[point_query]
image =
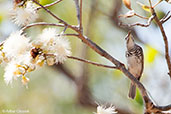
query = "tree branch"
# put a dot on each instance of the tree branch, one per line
(47, 24)
(165, 108)
(165, 39)
(93, 63)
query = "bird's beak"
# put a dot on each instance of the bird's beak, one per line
(128, 35)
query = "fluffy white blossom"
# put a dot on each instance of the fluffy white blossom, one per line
(19, 67)
(61, 49)
(51, 42)
(24, 56)
(24, 15)
(47, 36)
(104, 110)
(10, 70)
(16, 45)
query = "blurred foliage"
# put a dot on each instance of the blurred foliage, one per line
(1, 18)
(146, 8)
(44, 2)
(138, 98)
(150, 54)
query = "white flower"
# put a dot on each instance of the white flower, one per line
(48, 35)
(10, 70)
(19, 67)
(25, 58)
(51, 42)
(24, 15)
(61, 49)
(16, 45)
(104, 110)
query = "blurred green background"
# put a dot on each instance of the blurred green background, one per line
(74, 87)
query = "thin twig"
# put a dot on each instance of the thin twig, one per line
(47, 24)
(76, 35)
(42, 24)
(79, 13)
(48, 5)
(140, 16)
(139, 24)
(150, 4)
(93, 63)
(157, 3)
(165, 18)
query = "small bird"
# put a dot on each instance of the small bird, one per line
(135, 61)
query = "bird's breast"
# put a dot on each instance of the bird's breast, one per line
(134, 65)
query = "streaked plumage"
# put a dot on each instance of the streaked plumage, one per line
(135, 60)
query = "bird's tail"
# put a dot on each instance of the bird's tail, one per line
(132, 91)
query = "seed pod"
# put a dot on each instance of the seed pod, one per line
(34, 52)
(127, 3)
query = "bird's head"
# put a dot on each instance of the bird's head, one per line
(129, 41)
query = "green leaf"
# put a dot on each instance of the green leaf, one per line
(138, 98)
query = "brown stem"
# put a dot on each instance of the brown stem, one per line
(93, 63)
(42, 24)
(140, 24)
(140, 16)
(165, 108)
(165, 39)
